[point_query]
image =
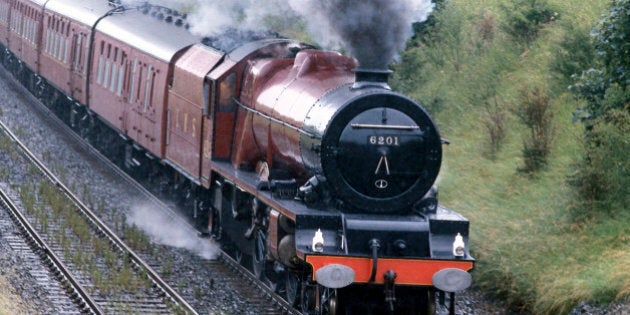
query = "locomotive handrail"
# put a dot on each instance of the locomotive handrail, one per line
(395, 127)
(275, 120)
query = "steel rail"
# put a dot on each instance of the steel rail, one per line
(284, 305)
(41, 246)
(103, 229)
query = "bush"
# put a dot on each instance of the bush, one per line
(611, 42)
(524, 19)
(494, 121)
(424, 31)
(575, 52)
(603, 176)
(534, 111)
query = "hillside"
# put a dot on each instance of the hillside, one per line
(475, 75)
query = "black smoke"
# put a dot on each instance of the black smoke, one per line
(372, 31)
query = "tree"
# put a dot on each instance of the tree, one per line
(603, 177)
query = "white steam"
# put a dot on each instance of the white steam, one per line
(165, 230)
(373, 31)
(214, 17)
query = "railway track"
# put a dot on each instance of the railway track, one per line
(256, 293)
(228, 273)
(99, 271)
(64, 290)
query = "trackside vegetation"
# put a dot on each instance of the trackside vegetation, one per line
(532, 95)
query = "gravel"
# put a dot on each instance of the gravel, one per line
(18, 288)
(80, 170)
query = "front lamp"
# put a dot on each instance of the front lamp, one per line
(459, 248)
(318, 242)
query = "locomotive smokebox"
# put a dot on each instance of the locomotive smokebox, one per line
(371, 78)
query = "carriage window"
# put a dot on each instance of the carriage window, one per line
(77, 52)
(114, 75)
(140, 72)
(66, 50)
(107, 72)
(85, 53)
(132, 90)
(112, 84)
(47, 49)
(148, 88)
(121, 74)
(99, 73)
(227, 92)
(4, 12)
(58, 44)
(33, 31)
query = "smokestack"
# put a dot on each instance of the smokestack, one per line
(371, 78)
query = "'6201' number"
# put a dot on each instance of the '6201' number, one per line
(384, 140)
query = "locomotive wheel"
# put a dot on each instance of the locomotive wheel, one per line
(308, 297)
(292, 287)
(40, 90)
(242, 259)
(258, 255)
(329, 303)
(262, 269)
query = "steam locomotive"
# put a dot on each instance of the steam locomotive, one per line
(310, 170)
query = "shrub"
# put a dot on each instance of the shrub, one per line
(424, 31)
(524, 19)
(574, 53)
(603, 176)
(534, 111)
(494, 121)
(486, 28)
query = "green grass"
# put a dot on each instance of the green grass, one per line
(530, 251)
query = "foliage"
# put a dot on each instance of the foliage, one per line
(613, 44)
(574, 53)
(424, 31)
(435, 45)
(524, 19)
(613, 68)
(602, 176)
(495, 123)
(534, 111)
(470, 68)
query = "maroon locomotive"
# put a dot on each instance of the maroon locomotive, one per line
(308, 169)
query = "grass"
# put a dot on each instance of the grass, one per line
(531, 252)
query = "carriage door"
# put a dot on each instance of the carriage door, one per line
(209, 88)
(78, 79)
(219, 119)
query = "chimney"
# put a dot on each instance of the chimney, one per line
(371, 78)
